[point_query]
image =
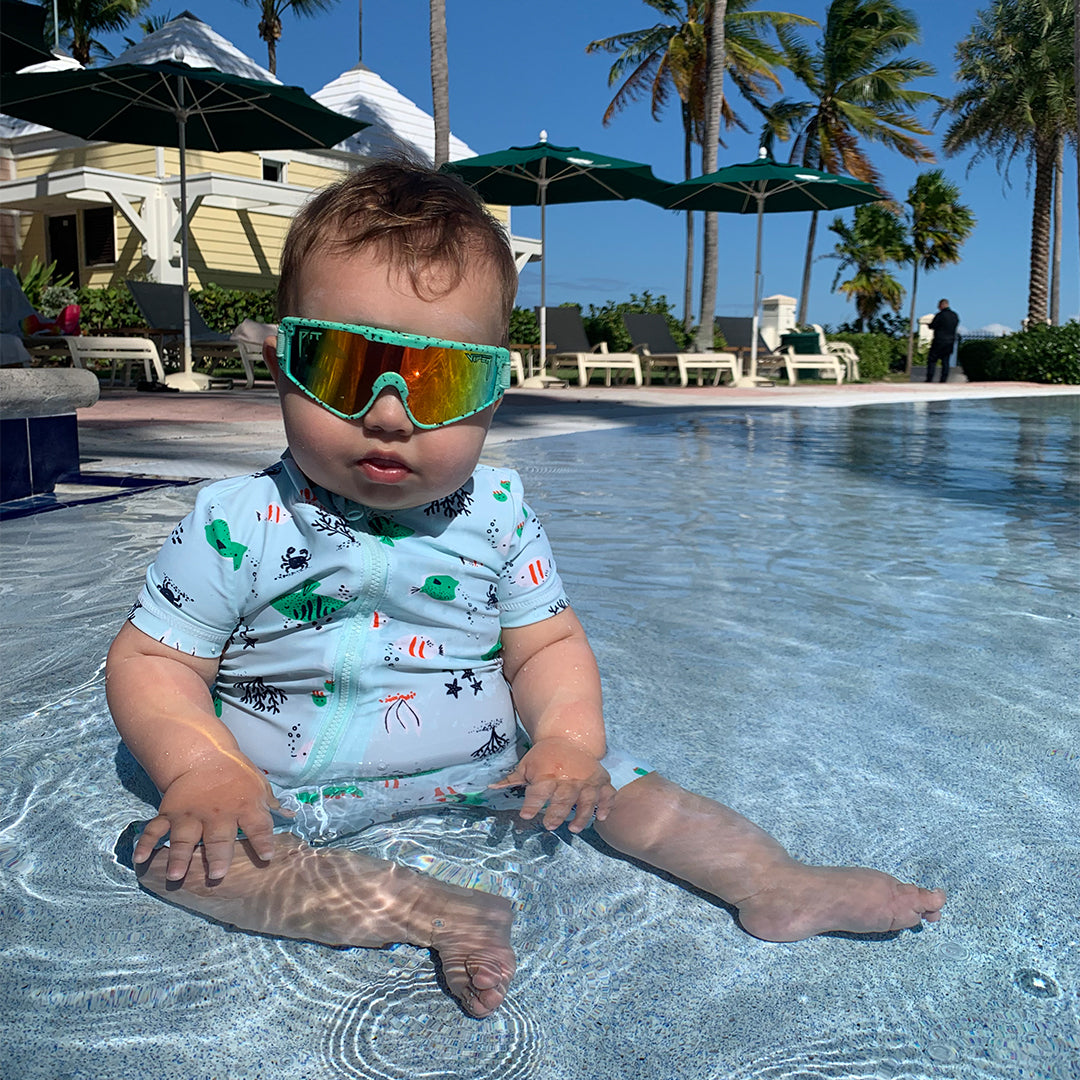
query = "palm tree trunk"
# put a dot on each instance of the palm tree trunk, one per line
(271, 56)
(360, 30)
(911, 319)
(804, 295)
(1040, 231)
(1055, 253)
(440, 82)
(713, 101)
(688, 169)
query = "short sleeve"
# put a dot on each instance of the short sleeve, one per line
(191, 598)
(530, 589)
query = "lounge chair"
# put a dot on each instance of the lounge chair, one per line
(826, 364)
(161, 308)
(567, 332)
(517, 366)
(848, 357)
(117, 351)
(652, 338)
(248, 338)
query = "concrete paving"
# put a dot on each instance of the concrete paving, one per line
(225, 432)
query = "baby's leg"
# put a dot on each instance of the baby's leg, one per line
(779, 899)
(341, 897)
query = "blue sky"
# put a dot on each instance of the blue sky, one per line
(517, 68)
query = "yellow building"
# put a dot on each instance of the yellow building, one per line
(105, 212)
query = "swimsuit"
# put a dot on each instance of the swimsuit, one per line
(359, 649)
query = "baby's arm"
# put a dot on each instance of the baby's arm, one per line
(552, 672)
(161, 705)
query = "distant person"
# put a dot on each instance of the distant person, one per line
(943, 326)
(332, 641)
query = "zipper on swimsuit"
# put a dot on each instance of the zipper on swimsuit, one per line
(374, 572)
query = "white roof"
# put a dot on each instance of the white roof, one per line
(188, 40)
(397, 124)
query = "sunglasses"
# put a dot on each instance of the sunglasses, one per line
(345, 367)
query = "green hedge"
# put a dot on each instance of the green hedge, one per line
(1043, 354)
(879, 354)
(114, 308)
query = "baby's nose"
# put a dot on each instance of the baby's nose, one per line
(387, 412)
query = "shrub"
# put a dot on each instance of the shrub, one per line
(1046, 354)
(878, 353)
(524, 327)
(225, 309)
(36, 277)
(54, 298)
(604, 323)
(107, 308)
(979, 358)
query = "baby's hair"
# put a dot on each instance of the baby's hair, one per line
(428, 224)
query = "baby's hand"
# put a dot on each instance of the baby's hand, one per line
(210, 804)
(560, 774)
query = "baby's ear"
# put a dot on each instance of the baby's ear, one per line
(269, 350)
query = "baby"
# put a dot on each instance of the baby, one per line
(375, 624)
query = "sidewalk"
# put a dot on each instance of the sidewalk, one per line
(222, 433)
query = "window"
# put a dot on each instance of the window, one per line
(274, 171)
(99, 239)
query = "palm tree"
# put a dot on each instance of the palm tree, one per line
(875, 239)
(670, 57)
(440, 81)
(859, 93)
(270, 12)
(83, 20)
(1019, 98)
(938, 224)
(714, 103)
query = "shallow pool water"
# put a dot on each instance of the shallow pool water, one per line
(858, 627)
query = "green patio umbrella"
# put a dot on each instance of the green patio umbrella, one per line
(22, 35)
(169, 103)
(763, 187)
(544, 173)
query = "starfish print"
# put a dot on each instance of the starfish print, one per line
(453, 688)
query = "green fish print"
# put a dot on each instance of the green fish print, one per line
(217, 536)
(388, 530)
(493, 651)
(306, 605)
(438, 587)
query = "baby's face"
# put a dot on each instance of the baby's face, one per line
(382, 460)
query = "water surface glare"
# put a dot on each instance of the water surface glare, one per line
(858, 627)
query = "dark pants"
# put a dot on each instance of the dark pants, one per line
(939, 351)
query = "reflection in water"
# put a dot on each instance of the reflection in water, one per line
(858, 627)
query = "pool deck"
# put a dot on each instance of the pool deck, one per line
(224, 432)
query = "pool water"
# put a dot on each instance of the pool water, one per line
(858, 627)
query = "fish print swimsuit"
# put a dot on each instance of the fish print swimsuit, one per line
(359, 649)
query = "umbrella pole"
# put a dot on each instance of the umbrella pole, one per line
(757, 290)
(543, 276)
(186, 379)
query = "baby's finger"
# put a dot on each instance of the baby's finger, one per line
(515, 778)
(259, 832)
(183, 839)
(152, 832)
(536, 795)
(564, 797)
(219, 855)
(180, 853)
(605, 802)
(587, 804)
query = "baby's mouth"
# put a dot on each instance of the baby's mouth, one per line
(383, 469)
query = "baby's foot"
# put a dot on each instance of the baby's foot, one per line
(470, 930)
(803, 901)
